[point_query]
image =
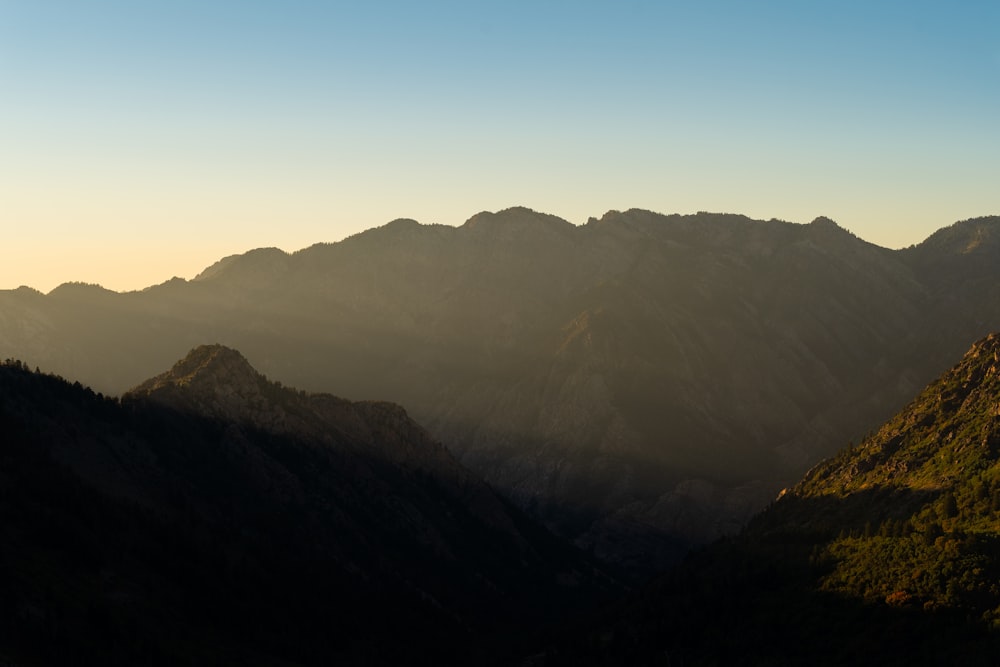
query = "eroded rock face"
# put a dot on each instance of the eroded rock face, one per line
(588, 372)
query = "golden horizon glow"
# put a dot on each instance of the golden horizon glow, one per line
(146, 140)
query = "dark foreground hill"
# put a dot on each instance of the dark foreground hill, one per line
(213, 517)
(640, 383)
(886, 554)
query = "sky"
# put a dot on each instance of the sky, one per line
(145, 139)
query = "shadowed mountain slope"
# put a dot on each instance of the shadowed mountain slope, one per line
(214, 516)
(640, 383)
(888, 554)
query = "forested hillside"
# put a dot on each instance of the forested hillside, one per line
(887, 554)
(212, 516)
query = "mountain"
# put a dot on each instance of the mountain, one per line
(211, 515)
(958, 264)
(640, 383)
(887, 553)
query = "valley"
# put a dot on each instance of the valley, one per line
(641, 384)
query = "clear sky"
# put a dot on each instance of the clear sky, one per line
(143, 139)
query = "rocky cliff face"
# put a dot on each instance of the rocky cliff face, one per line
(642, 380)
(948, 436)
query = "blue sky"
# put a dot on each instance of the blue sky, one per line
(145, 139)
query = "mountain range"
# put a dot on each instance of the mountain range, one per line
(641, 383)
(213, 516)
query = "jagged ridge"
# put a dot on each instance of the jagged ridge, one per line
(950, 432)
(642, 383)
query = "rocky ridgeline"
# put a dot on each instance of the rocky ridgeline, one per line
(886, 554)
(640, 383)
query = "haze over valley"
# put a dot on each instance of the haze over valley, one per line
(599, 400)
(640, 384)
(525, 334)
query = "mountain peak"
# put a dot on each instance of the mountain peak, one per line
(517, 218)
(212, 379)
(823, 221)
(260, 266)
(209, 360)
(402, 223)
(80, 290)
(966, 237)
(825, 228)
(989, 345)
(24, 291)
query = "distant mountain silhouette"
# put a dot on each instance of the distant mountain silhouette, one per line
(213, 516)
(641, 383)
(886, 554)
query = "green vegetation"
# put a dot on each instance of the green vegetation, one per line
(940, 548)
(888, 554)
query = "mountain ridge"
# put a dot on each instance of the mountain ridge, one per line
(972, 386)
(157, 528)
(522, 213)
(887, 553)
(647, 376)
